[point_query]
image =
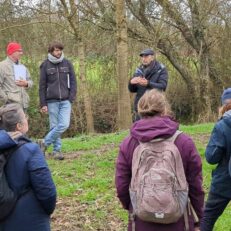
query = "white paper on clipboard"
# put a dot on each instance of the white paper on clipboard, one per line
(19, 72)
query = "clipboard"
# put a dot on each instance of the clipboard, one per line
(19, 72)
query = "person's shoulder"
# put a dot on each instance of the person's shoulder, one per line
(34, 156)
(186, 146)
(65, 60)
(184, 136)
(128, 144)
(3, 62)
(219, 125)
(126, 140)
(184, 140)
(25, 148)
(31, 149)
(25, 141)
(222, 125)
(160, 65)
(44, 63)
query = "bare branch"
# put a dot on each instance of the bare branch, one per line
(31, 23)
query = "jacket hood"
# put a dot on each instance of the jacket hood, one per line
(147, 129)
(10, 139)
(227, 118)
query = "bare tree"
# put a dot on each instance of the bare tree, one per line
(124, 110)
(192, 34)
(71, 14)
(172, 26)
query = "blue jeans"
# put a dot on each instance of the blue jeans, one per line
(59, 117)
(214, 207)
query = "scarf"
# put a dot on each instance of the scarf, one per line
(147, 70)
(55, 60)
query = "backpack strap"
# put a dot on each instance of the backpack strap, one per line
(186, 220)
(190, 211)
(171, 138)
(8, 153)
(132, 219)
(186, 217)
(174, 136)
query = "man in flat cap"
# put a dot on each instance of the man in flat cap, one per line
(150, 74)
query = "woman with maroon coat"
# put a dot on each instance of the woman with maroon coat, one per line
(157, 122)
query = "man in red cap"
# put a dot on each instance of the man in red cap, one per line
(14, 77)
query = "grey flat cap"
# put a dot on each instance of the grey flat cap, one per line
(147, 52)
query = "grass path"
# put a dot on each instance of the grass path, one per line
(85, 182)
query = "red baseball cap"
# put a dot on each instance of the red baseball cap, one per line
(13, 47)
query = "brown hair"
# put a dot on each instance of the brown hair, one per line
(153, 103)
(54, 45)
(224, 108)
(10, 115)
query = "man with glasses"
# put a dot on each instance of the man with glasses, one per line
(149, 75)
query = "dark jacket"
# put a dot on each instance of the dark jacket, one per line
(218, 151)
(157, 77)
(145, 130)
(57, 82)
(27, 171)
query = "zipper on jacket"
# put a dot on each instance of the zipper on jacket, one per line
(68, 81)
(60, 97)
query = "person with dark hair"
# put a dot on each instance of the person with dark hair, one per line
(55, 45)
(57, 91)
(151, 74)
(14, 77)
(27, 174)
(157, 123)
(218, 152)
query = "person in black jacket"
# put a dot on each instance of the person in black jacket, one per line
(57, 91)
(149, 75)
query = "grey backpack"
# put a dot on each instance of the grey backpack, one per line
(158, 189)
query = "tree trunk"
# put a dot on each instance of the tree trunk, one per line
(86, 96)
(205, 101)
(192, 86)
(195, 34)
(124, 106)
(71, 13)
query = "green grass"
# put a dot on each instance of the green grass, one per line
(205, 128)
(91, 142)
(85, 182)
